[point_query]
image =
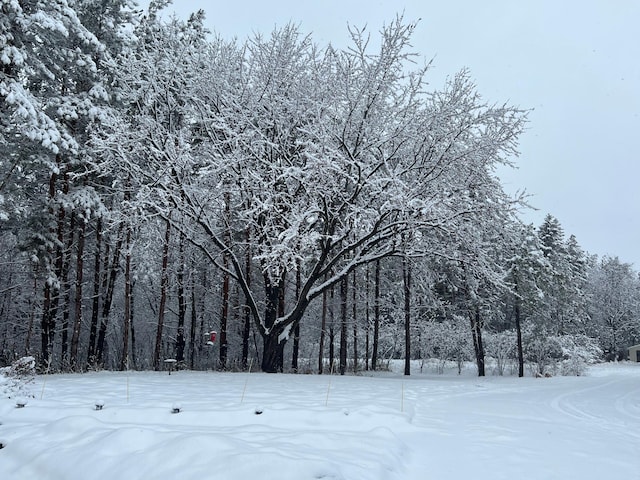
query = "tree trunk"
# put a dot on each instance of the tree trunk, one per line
(66, 288)
(376, 316)
(332, 334)
(51, 286)
(354, 312)
(332, 351)
(273, 346)
(32, 312)
(323, 326)
(406, 274)
(518, 331)
(95, 304)
(47, 326)
(75, 337)
(224, 316)
(164, 284)
(246, 330)
(106, 303)
(134, 360)
(478, 346)
(296, 329)
(194, 319)
(343, 326)
(367, 322)
(182, 303)
(124, 360)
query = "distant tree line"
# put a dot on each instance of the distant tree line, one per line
(321, 210)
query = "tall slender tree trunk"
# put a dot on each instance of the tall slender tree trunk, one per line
(518, 330)
(332, 333)
(32, 312)
(246, 330)
(95, 299)
(323, 327)
(478, 346)
(51, 286)
(406, 274)
(164, 285)
(66, 288)
(342, 366)
(134, 358)
(367, 322)
(224, 316)
(354, 312)
(124, 360)
(281, 307)
(75, 337)
(296, 329)
(108, 299)
(376, 316)
(194, 320)
(182, 302)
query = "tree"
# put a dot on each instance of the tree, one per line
(615, 302)
(528, 268)
(340, 154)
(564, 303)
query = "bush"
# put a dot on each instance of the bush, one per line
(15, 380)
(578, 352)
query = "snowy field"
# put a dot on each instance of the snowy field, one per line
(321, 427)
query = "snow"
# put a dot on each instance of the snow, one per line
(386, 426)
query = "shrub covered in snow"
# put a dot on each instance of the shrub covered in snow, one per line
(15, 380)
(501, 346)
(543, 350)
(447, 341)
(567, 354)
(578, 351)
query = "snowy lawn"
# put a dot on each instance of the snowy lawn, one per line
(313, 427)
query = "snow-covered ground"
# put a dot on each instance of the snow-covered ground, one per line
(324, 427)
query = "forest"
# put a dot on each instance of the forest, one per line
(271, 203)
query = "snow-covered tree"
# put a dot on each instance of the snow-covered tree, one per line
(614, 306)
(329, 158)
(564, 300)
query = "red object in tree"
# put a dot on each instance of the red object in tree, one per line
(212, 337)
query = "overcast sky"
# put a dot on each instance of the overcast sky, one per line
(575, 63)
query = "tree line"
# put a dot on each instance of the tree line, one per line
(321, 209)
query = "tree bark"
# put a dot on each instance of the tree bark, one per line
(75, 337)
(323, 326)
(296, 329)
(518, 330)
(406, 274)
(342, 366)
(478, 346)
(224, 316)
(376, 316)
(273, 346)
(134, 359)
(95, 304)
(124, 360)
(51, 286)
(107, 301)
(246, 330)
(367, 322)
(182, 302)
(66, 287)
(164, 284)
(354, 312)
(194, 320)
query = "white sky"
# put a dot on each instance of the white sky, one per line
(576, 63)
